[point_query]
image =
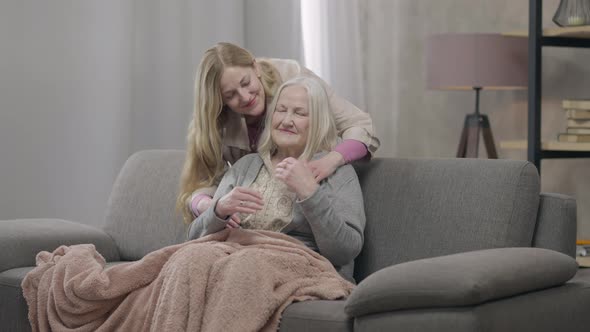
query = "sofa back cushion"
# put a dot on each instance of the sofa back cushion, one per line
(141, 214)
(419, 208)
(415, 208)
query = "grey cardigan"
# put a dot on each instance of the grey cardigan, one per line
(331, 221)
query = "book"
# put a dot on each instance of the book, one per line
(573, 113)
(574, 123)
(579, 104)
(576, 138)
(578, 131)
(583, 253)
(583, 261)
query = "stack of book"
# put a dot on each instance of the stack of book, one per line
(578, 121)
(583, 253)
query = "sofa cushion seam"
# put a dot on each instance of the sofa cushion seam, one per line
(515, 195)
(318, 319)
(9, 285)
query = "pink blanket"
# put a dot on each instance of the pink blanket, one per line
(234, 280)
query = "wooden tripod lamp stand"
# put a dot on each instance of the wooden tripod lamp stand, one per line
(474, 123)
(475, 62)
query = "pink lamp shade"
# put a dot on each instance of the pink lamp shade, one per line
(464, 61)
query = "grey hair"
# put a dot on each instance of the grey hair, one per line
(322, 133)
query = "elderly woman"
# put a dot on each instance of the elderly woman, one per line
(275, 189)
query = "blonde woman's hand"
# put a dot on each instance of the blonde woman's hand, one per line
(204, 204)
(326, 166)
(239, 200)
(297, 176)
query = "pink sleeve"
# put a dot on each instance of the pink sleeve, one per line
(351, 150)
(195, 202)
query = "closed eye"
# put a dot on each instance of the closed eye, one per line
(245, 81)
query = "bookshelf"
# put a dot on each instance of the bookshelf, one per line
(537, 39)
(574, 32)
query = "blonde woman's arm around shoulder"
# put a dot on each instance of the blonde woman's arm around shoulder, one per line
(354, 126)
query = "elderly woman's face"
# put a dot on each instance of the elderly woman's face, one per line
(242, 91)
(290, 120)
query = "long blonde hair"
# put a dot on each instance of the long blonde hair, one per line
(322, 133)
(204, 164)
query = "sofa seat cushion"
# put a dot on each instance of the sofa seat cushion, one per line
(14, 277)
(22, 239)
(460, 280)
(563, 308)
(318, 316)
(13, 316)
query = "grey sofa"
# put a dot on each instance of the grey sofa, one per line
(450, 245)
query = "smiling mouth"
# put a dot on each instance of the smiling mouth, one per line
(251, 103)
(287, 131)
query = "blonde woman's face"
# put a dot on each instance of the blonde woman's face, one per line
(290, 120)
(242, 91)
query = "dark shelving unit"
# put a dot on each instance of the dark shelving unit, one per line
(537, 41)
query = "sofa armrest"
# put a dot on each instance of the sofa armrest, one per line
(461, 279)
(556, 224)
(22, 239)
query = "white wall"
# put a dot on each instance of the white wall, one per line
(273, 28)
(84, 84)
(168, 42)
(64, 106)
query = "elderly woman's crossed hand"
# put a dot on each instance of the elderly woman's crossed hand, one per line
(298, 176)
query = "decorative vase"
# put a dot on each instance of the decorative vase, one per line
(572, 13)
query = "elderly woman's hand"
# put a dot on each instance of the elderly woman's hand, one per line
(238, 200)
(297, 176)
(326, 166)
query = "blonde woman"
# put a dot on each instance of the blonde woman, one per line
(275, 189)
(232, 91)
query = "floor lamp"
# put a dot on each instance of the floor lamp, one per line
(475, 62)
